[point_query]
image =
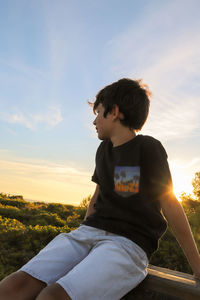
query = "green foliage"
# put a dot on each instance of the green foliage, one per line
(10, 225)
(82, 209)
(27, 227)
(169, 254)
(196, 185)
(63, 211)
(16, 203)
(44, 218)
(74, 220)
(19, 243)
(9, 211)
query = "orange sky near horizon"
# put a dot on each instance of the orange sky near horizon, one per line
(182, 180)
(51, 182)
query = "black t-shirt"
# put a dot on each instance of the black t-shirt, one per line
(131, 178)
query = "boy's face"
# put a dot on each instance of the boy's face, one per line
(103, 125)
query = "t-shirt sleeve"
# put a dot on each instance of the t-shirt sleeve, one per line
(98, 154)
(157, 175)
(95, 177)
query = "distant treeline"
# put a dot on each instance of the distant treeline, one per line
(26, 227)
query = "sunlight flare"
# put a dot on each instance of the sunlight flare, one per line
(181, 179)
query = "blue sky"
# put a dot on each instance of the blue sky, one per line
(56, 55)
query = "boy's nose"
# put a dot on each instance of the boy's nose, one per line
(94, 122)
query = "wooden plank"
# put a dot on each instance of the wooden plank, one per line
(165, 284)
(172, 283)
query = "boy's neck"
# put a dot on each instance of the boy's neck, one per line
(122, 137)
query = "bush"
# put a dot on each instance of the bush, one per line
(18, 243)
(10, 202)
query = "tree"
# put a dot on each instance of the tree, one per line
(196, 185)
(136, 178)
(85, 202)
(82, 208)
(123, 174)
(116, 175)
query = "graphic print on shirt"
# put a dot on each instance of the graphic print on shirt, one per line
(126, 180)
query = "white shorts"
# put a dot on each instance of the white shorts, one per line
(90, 263)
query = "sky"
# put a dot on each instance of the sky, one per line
(56, 55)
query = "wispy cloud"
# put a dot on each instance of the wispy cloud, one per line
(175, 118)
(44, 169)
(192, 163)
(58, 33)
(51, 117)
(166, 54)
(19, 66)
(44, 180)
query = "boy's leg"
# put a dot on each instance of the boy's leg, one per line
(111, 269)
(54, 291)
(20, 286)
(58, 257)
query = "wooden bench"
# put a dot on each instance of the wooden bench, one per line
(165, 284)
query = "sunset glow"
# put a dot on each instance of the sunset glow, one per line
(181, 179)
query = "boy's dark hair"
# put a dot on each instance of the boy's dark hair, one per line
(132, 98)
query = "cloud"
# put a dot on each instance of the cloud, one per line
(176, 105)
(192, 163)
(57, 36)
(21, 68)
(44, 180)
(174, 118)
(166, 54)
(38, 169)
(50, 118)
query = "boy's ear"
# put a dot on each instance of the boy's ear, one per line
(116, 113)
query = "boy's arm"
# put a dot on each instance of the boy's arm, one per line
(179, 224)
(91, 208)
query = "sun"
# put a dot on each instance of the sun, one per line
(181, 180)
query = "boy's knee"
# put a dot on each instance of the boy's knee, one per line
(21, 278)
(12, 280)
(53, 292)
(20, 282)
(10, 285)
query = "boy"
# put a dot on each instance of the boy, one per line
(108, 254)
